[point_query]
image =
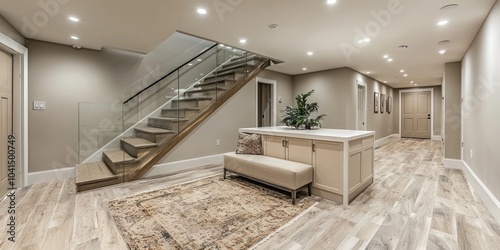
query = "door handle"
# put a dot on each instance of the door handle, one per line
(283, 143)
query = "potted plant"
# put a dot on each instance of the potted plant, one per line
(299, 117)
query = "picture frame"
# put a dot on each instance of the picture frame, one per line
(389, 104)
(376, 102)
(382, 103)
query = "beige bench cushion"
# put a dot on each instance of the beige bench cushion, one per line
(287, 174)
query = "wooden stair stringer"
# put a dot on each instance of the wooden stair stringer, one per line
(147, 164)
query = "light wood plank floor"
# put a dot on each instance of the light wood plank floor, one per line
(414, 203)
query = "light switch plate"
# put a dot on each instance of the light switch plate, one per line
(39, 105)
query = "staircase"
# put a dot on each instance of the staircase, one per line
(152, 141)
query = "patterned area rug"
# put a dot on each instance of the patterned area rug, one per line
(211, 213)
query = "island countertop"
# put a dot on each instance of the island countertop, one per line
(339, 135)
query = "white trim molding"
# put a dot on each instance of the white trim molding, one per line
(386, 140)
(183, 166)
(437, 138)
(274, 119)
(20, 105)
(484, 193)
(51, 175)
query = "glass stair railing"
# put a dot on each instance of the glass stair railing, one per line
(137, 133)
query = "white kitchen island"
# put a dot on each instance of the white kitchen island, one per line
(342, 159)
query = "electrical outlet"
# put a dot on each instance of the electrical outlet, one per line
(217, 142)
(471, 155)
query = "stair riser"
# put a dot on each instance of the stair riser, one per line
(220, 84)
(209, 93)
(136, 152)
(119, 168)
(156, 138)
(185, 104)
(170, 125)
(188, 114)
(223, 77)
(240, 63)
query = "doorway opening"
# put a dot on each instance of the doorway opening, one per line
(361, 106)
(266, 105)
(416, 120)
(5, 118)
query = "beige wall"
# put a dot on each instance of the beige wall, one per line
(436, 113)
(238, 112)
(481, 107)
(452, 96)
(336, 94)
(8, 30)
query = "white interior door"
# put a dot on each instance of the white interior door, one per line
(416, 115)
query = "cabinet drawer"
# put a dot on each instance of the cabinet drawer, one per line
(367, 141)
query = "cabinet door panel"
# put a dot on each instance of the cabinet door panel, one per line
(354, 169)
(367, 163)
(300, 150)
(328, 161)
(274, 147)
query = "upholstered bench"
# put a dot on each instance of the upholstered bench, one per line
(286, 175)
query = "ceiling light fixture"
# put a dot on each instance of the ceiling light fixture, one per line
(199, 60)
(273, 26)
(403, 46)
(386, 56)
(390, 60)
(405, 75)
(385, 81)
(310, 53)
(74, 19)
(190, 64)
(330, 2)
(74, 37)
(368, 72)
(442, 52)
(304, 69)
(412, 82)
(442, 22)
(243, 41)
(402, 71)
(201, 11)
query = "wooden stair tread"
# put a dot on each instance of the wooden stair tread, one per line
(169, 119)
(205, 90)
(93, 172)
(212, 82)
(182, 109)
(157, 131)
(193, 99)
(119, 156)
(139, 142)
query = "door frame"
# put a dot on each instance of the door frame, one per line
(273, 102)
(360, 83)
(414, 90)
(19, 105)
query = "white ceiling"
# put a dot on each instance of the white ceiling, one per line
(303, 26)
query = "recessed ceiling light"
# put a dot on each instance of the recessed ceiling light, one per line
(243, 41)
(403, 46)
(368, 72)
(304, 69)
(367, 40)
(386, 56)
(190, 64)
(405, 75)
(74, 19)
(310, 53)
(442, 22)
(402, 71)
(331, 1)
(199, 60)
(412, 82)
(390, 60)
(273, 26)
(201, 11)
(416, 84)
(74, 37)
(385, 81)
(442, 52)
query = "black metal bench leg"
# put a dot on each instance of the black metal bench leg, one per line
(309, 189)
(294, 196)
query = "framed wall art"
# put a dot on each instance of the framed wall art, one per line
(389, 104)
(375, 102)
(382, 103)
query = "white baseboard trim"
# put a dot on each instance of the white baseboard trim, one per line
(437, 138)
(50, 175)
(490, 201)
(452, 163)
(185, 165)
(386, 140)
